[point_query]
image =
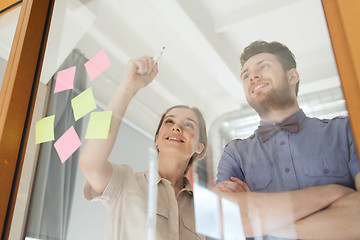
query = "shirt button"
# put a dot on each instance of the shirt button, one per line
(326, 171)
(287, 170)
(282, 143)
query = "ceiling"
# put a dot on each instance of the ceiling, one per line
(203, 40)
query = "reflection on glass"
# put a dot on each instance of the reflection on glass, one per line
(203, 40)
(207, 212)
(152, 194)
(231, 220)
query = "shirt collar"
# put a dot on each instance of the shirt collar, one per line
(299, 114)
(158, 178)
(188, 186)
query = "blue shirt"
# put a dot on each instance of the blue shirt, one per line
(322, 152)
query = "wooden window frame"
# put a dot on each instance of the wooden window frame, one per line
(17, 98)
(6, 5)
(18, 93)
(343, 23)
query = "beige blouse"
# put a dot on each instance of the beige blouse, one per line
(126, 200)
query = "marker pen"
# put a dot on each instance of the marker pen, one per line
(156, 58)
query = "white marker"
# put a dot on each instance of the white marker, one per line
(156, 58)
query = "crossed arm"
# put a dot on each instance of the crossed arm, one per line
(341, 220)
(320, 212)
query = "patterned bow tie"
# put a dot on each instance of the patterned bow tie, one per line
(267, 131)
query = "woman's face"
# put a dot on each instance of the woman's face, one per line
(179, 133)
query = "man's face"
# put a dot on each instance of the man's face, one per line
(266, 85)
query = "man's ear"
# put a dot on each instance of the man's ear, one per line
(199, 148)
(293, 76)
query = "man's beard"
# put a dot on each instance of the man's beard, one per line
(273, 100)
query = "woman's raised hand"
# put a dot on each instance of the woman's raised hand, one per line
(137, 76)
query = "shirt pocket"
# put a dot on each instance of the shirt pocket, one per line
(189, 232)
(258, 178)
(137, 202)
(326, 171)
(137, 213)
(162, 211)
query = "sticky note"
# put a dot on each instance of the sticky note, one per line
(97, 64)
(67, 144)
(83, 103)
(232, 223)
(207, 212)
(65, 79)
(99, 125)
(44, 130)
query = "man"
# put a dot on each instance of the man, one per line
(290, 151)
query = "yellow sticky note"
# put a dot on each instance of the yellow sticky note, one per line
(83, 103)
(99, 125)
(45, 129)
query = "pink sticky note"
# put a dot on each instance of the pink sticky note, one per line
(65, 79)
(67, 144)
(97, 64)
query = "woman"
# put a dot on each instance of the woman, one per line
(180, 139)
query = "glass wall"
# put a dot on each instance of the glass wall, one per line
(88, 81)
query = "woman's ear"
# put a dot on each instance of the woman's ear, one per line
(199, 148)
(156, 139)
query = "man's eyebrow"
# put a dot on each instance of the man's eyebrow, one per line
(242, 73)
(257, 64)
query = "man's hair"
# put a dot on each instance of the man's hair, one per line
(281, 52)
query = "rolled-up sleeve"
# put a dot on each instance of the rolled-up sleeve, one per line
(229, 165)
(113, 188)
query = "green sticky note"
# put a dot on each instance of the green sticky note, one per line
(83, 103)
(99, 125)
(45, 129)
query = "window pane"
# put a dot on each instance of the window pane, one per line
(87, 55)
(8, 22)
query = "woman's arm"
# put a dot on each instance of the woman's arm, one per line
(94, 157)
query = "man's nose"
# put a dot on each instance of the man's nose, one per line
(254, 76)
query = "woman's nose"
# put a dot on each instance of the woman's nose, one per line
(176, 128)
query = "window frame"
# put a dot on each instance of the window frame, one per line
(17, 98)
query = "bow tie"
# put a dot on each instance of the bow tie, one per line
(291, 124)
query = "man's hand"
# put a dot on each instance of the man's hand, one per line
(234, 185)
